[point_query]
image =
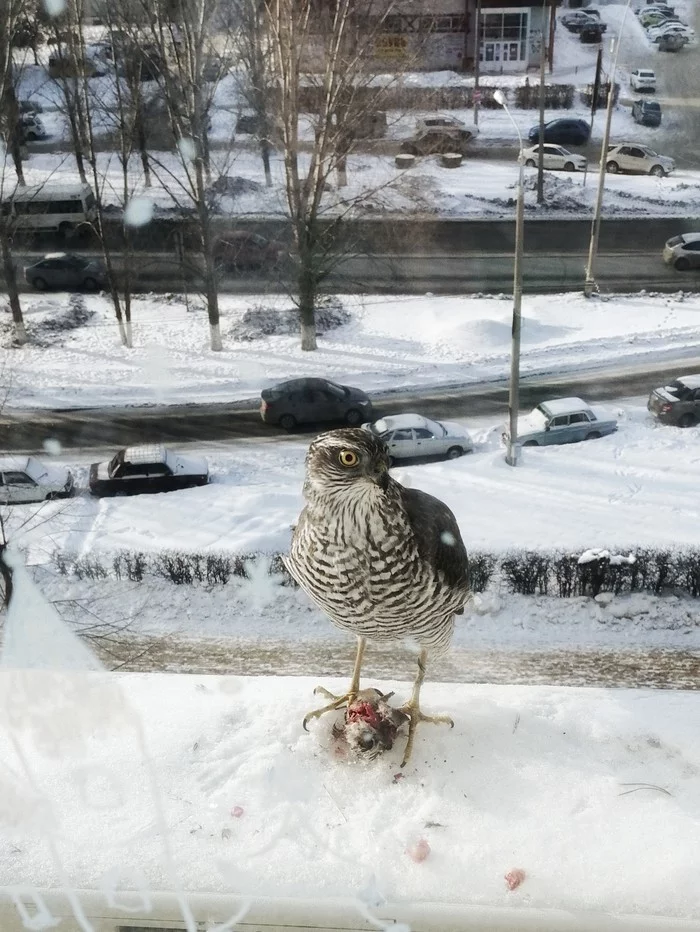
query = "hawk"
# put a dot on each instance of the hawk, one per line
(385, 562)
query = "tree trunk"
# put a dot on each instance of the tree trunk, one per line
(307, 305)
(143, 147)
(12, 292)
(210, 279)
(265, 152)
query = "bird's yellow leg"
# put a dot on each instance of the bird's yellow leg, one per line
(338, 701)
(413, 710)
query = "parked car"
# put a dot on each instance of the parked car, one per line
(643, 79)
(411, 435)
(677, 403)
(437, 121)
(31, 128)
(630, 157)
(555, 158)
(575, 21)
(592, 33)
(29, 106)
(652, 18)
(683, 251)
(657, 8)
(312, 401)
(25, 479)
(647, 112)
(243, 250)
(437, 139)
(66, 270)
(671, 29)
(147, 468)
(564, 131)
(671, 42)
(562, 420)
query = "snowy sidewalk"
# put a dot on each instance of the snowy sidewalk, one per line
(592, 793)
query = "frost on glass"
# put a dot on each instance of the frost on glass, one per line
(77, 781)
(75, 764)
(138, 212)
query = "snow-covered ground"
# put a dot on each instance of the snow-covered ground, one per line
(390, 343)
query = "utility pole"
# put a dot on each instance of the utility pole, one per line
(514, 385)
(477, 62)
(589, 286)
(540, 151)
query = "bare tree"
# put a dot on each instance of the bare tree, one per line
(324, 59)
(192, 56)
(248, 23)
(12, 15)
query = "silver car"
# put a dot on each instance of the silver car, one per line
(25, 479)
(561, 420)
(411, 435)
(683, 251)
(631, 157)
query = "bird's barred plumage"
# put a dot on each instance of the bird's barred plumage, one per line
(383, 561)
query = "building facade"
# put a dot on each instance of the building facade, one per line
(447, 34)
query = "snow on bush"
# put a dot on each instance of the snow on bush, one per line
(260, 321)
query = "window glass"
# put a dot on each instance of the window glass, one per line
(560, 421)
(580, 418)
(402, 435)
(18, 478)
(424, 434)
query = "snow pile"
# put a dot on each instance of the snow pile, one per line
(261, 321)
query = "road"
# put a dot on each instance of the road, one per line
(85, 428)
(418, 273)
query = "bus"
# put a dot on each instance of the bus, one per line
(51, 208)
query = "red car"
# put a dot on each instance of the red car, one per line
(242, 250)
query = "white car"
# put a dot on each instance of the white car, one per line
(437, 121)
(631, 157)
(25, 479)
(670, 29)
(411, 435)
(683, 251)
(643, 79)
(555, 158)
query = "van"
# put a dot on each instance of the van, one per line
(51, 208)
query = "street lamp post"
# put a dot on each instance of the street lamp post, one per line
(590, 286)
(514, 387)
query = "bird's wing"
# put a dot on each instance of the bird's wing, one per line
(437, 534)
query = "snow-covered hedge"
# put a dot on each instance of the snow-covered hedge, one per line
(525, 572)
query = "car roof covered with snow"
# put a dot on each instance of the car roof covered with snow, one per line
(690, 381)
(13, 463)
(564, 405)
(402, 422)
(146, 453)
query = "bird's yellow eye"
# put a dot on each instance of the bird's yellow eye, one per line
(348, 458)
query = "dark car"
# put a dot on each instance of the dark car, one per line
(564, 131)
(672, 43)
(646, 112)
(592, 33)
(677, 403)
(575, 22)
(66, 270)
(311, 401)
(242, 250)
(437, 140)
(147, 468)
